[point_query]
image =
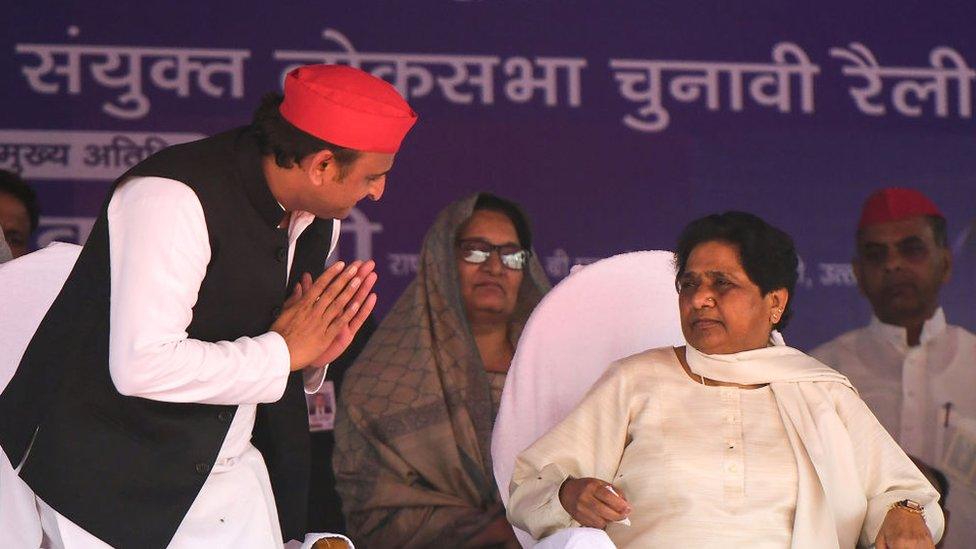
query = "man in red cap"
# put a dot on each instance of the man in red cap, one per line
(915, 371)
(161, 401)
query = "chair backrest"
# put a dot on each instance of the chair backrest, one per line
(611, 309)
(28, 286)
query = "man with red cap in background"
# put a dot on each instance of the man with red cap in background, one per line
(161, 400)
(915, 371)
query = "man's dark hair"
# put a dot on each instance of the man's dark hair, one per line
(511, 210)
(288, 144)
(767, 254)
(12, 184)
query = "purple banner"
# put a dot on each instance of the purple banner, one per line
(614, 127)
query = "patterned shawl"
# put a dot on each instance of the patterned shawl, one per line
(413, 427)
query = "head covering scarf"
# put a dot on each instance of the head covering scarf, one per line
(414, 422)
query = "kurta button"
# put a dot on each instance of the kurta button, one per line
(225, 416)
(202, 468)
(281, 254)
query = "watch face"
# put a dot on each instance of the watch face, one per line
(911, 505)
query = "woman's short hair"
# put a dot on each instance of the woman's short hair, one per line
(511, 210)
(288, 144)
(766, 253)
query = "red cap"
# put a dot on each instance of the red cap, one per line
(347, 107)
(895, 204)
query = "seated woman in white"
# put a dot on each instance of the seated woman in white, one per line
(731, 440)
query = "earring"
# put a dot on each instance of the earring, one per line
(776, 314)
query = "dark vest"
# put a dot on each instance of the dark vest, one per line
(127, 469)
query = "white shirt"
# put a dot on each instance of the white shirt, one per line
(158, 239)
(909, 388)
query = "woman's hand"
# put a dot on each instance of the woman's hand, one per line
(593, 502)
(903, 529)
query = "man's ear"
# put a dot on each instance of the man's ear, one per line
(320, 167)
(947, 262)
(778, 298)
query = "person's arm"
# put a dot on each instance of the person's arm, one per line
(159, 249)
(586, 446)
(888, 476)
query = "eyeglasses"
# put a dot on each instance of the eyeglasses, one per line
(477, 251)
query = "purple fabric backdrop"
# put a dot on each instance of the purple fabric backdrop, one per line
(614, 125)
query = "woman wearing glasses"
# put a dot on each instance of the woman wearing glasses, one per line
(412, 459)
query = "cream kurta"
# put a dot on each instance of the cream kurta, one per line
(910, 389)
(701, 466)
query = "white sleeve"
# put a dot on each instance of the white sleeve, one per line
(159, 252)
(589, 442)
(887, 473)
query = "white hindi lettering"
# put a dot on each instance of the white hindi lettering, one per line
(217, 72)
(460, 79)
(410, 73)
(914, 85)
(769, 84)
(786, 84)
(363, 230)
(70, 70)
(837, 274)
(522, 89)
(403, 264)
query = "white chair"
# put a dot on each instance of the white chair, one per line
(611, 309)
(28, 286)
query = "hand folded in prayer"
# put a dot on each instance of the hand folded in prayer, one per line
(319, 320)
(903, 529)
(593, 502)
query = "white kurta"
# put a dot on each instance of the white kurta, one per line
(909, 389)
(701, 466)
(159, 251)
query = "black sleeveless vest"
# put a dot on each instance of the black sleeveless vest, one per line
(127, 469)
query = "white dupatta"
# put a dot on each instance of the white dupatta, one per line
(830, 493)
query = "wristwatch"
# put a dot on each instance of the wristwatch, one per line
(910, 506)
